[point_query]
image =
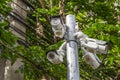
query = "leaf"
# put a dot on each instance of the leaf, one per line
(2, 24)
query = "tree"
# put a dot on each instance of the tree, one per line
(97, 18)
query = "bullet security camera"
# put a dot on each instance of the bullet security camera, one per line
(58, 26)
(98, 45)
(92, 44)
(55, 57)
(96, 41)
(91, 59)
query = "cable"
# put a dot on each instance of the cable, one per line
(17, 19)
(20, 6)
(22, 56)
(18, 30)
(26, 2)
(18, 14)
(23, 42)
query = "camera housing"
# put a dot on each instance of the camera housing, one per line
(58, 26)
(55, 57)
(97, 45)
(91, 59)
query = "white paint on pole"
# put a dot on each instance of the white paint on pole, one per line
(72, 49)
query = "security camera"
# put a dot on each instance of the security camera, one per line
(58, 26)
(96, 41)
(91, 59)
(56, 56)
(97, 45)
(92, 44)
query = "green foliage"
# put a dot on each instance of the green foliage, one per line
(4, 6)
(104, 31)
(36, 64)
(7, 39)
(97, 19)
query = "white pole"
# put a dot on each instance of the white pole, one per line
(72, 50)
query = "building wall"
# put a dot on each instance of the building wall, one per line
(2, 68)
(17, 28)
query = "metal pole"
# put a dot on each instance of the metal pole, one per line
(72, 50)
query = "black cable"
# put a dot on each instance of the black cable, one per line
(17, 19)
(20, 41)
(18, 14)
(23, 42)
(20, 6)
(22, 56)
(21, 21)
(72, 41)
(18, 31)
(28, 4)
(24, 35)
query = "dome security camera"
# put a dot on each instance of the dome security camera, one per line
(56, 56)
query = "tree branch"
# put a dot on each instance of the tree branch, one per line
(43, 7)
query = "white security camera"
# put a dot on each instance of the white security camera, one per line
(94, 44)
(96, 41)
(56, 57)
(91, 59)
(97, 45)
(58, 26)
